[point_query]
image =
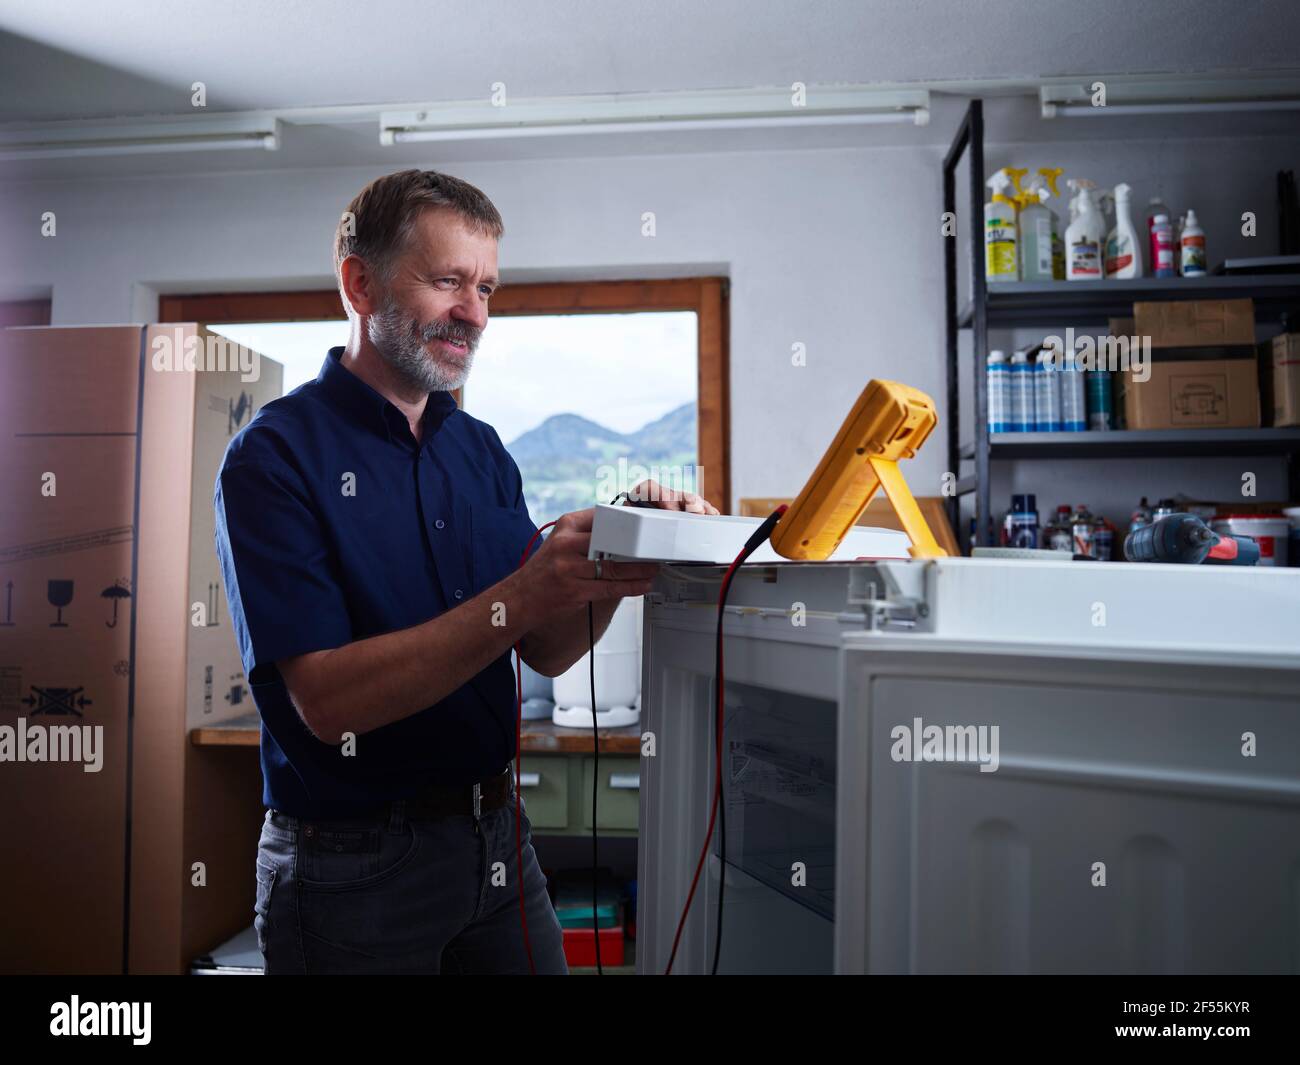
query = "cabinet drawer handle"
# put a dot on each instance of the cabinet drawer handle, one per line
(530, 780)
(625, 781)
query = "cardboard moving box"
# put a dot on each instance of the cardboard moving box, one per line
(113, 624)
(1196, 394)
(1281, 380)
(1196, 323)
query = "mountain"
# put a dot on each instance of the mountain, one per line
(561, 460)
(565, 439)
(667, 437)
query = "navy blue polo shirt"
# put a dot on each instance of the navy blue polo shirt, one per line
(332, 525)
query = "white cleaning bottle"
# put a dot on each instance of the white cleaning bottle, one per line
(1001, 262)
(1038, 236)
(1085, 238)
(1192, 247)
(1123, 252)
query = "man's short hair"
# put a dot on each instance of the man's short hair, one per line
(378, 222)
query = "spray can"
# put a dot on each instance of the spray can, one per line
(1164, 508)
(1141, 516)
(1059, 535)
(1074, 404)
(1021, 526)
(1101, 409)
(999, 388)
(1082, 529)
(1103, 539)
(1047, 393)
(1022, 394)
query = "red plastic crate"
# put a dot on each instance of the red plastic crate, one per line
(580, 947)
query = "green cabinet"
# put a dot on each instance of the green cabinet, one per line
(618, 792)
(544, 786)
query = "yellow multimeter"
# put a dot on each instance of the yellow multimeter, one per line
(890, 421)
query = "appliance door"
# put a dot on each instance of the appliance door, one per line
(1143, 815)
(780, 767)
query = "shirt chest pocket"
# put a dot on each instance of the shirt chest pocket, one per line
(499, 536)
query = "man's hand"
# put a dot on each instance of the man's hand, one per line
(561, 576)
(671, 499)
(558, 582)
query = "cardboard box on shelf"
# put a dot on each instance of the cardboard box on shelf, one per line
(1196, 323)
(114, 438)
(1280, 380)
(1198, 394)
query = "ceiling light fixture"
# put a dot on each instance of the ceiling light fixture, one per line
(653, 112)
(65, 140)
(1123, 97)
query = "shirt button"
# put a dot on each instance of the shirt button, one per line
(460, 594)
(439, 524)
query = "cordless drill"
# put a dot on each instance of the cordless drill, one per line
(1185, 538)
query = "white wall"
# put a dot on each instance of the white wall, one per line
(838, 249)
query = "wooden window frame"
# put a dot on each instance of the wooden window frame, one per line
(25, 312)
(706, 296)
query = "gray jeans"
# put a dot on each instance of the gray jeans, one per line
(396, 895)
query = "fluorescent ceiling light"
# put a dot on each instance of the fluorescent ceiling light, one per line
(1207, 97)
(653, 112)
(199, 134)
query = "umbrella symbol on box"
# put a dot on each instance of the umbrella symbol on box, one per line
(238, 412)
(115, 593)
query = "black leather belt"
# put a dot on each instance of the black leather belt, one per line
(438, 800)
(472, 799)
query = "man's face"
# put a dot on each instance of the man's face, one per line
(435, 307)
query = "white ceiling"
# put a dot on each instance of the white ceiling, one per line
(87, 58)
(84, 59)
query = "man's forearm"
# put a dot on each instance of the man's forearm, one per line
(552, 648)
(376, 681)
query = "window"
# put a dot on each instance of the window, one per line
(624, 368)
(589, 405)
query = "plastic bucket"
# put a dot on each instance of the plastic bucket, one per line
(1270, 531)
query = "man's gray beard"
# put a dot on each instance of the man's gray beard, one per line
(400, 340)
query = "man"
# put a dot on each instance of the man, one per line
(370, 535)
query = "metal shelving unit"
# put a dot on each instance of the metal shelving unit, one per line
(1056, 305)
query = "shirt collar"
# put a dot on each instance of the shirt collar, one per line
(356, 397)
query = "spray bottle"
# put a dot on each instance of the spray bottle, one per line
(1001, 261)
(1123, 252)
(1051, 174)
(1085, 238)
(1039, 240)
